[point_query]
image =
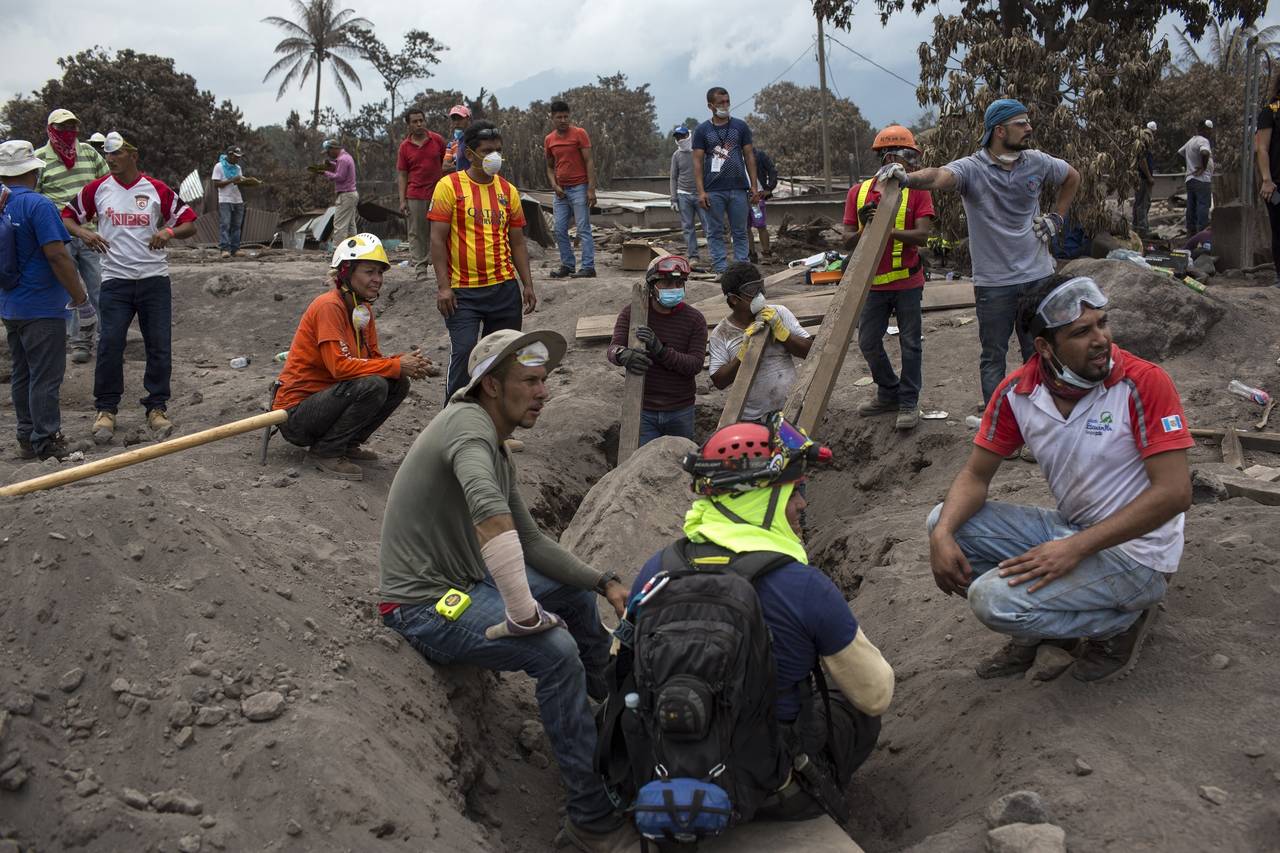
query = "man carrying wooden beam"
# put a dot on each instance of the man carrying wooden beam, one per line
(1108, 431)
(743, 288)
(898, 286)
(674, 342)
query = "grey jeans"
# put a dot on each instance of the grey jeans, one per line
(343, 415)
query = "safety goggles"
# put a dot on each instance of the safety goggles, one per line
(909, 154)
(1062, 306)
(748, 289)
(488, 133)
(672, 266)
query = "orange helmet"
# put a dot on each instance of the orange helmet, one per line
(894, 136)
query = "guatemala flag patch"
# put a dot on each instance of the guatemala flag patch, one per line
(1173, 423)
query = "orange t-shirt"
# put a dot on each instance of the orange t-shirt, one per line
(566, 152)
(324, 352)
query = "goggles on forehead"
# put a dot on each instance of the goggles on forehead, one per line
(535, 354)
(488, 133)
(672, 265)
(1062, 306)
(904, 153)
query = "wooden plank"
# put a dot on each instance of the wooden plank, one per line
(1254, 490)
(1232, 451)
(817, 374)
(633, 385)
(819, 835)
(1268, 441)
(810, 308)
(745, 378)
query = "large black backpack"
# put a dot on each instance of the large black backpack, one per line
(702, 743)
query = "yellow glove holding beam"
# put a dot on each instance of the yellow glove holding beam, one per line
(771, 317)
(755, 328)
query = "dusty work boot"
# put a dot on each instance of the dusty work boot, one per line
(55, 448)
(159, 423)
(80, 353)
(624, 839)
(876, 406)
(1115, 656)
(360, 453)
(1016, 658)
(562, 272)
(25, 450)
(1026, 454)
(226, 255)
(104, 427)
(907, 419)
(586, 272)
(337, 466)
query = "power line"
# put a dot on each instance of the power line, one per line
(802, 55)
(831, 78)
(873, 62)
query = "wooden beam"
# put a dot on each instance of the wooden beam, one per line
(1268, 441)
(817, 374)
(633, 385)
(154, 451)
(1255, 490)
(1232, 451)
(746, 377)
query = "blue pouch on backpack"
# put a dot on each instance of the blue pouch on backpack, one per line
(681, 810)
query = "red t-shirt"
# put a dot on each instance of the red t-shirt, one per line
(422, 163)
(919, 204)
(566, 153)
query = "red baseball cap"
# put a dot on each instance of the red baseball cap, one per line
(460, 110)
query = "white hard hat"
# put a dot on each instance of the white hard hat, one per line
(361, 247)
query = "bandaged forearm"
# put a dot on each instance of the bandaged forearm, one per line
(504, 558)
(863, 675)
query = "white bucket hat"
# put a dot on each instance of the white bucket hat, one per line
(17, 157)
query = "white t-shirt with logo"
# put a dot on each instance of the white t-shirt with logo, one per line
(127, 217)
(777, 373)
(1194, 150)
(230, 194)
(1093, 458)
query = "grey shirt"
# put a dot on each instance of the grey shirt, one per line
(456, 475)
(1000, 206)
(682, 173)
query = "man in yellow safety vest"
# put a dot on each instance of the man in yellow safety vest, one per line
(898, 285)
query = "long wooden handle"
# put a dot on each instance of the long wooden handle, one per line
(142, 454)
(747, 370)
(633, 384)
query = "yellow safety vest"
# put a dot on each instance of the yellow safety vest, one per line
(897, 272)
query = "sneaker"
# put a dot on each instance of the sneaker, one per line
(25, 450)
(226, 255)
(1116, 656)
(876, 406)
(104, 427)
(337, 466)
(55, 448)
(624, 839)
(562, 272)
(586, 272)
(360, 453)
(907, 419)
(80, 354)
(159, 423)
(1016, 658)
(1026, 454)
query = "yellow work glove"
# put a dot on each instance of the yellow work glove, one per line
(770, 317)
(755, 328)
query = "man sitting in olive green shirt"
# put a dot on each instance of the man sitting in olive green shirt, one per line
(455, 520)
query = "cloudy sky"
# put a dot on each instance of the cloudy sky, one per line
(529, 49)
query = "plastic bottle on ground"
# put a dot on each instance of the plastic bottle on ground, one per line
(240, 361)
(1257, 395)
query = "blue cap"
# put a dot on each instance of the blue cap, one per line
(998, 113)
(679, 130)
(329, 143)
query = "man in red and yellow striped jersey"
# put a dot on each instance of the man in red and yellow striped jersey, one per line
(477, 248)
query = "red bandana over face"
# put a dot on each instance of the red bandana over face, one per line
(64, 145)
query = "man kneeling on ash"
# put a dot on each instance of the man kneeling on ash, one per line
(1107, 428)
(336, 385)
(719, 710)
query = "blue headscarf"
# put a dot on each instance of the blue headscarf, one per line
(998, 113)
(230, 171)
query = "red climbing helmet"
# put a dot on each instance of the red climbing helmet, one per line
(750, 455)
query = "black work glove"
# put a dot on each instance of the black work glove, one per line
(866, 213)
(634, 360)
(652, 345)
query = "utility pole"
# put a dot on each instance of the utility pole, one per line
(822, 84)
(1247, 191)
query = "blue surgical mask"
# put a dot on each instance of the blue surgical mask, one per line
(671, 297)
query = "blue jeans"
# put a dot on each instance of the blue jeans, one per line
(1199, 197)
(230, 222)
(873, 323)
(478, 309)
(734, 204)
(89, 264)
(562, 663)
(997, 310)
(655, 424)
(691, 213)
(1099, 598)
(151, 299)
(574, 207)
(38, 353)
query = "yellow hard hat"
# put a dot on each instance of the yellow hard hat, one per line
(362, 247)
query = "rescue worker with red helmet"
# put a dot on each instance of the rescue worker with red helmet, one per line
(336, 385)
(898, 286)
(673, 345)
(746, 480)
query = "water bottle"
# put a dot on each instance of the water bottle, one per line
(239, 362)
(1257, 395)
(282, 356)
(632, 701)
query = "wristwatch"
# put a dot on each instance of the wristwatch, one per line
(606, 579)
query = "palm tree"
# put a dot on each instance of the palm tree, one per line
(1227, 45)
(320, 34)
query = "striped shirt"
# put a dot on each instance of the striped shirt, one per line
(480, 218)
(60, 184)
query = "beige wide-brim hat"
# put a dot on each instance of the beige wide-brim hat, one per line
(492, 349)
(17, 157)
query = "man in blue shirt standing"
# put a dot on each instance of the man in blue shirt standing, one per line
(34, 304)
(724, 169)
